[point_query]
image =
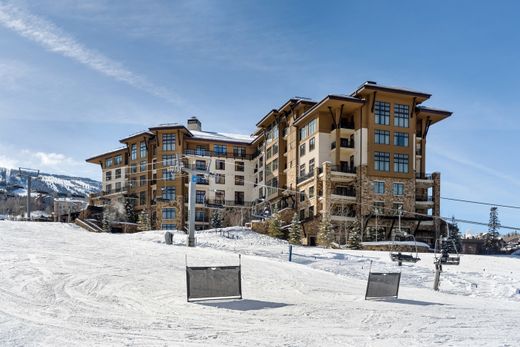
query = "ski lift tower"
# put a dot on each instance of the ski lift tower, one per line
(193, 174)
(30, 174)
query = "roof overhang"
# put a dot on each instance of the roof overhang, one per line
(349, 104)
(136, 135)
(97, 158)
(433, 114)
(370, 87)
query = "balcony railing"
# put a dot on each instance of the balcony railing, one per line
(423, 176)
(424, 198)
(207, 153)
(344, 169)
(344, 125)
(344, 143)
(345, 192)
(305, 177)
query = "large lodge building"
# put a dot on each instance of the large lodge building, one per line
(360, 159)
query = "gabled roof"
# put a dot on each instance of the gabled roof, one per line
(293, 101)
(329, 99)
(141, 133)
(224, 137)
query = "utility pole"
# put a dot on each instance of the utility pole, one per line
(29, 173)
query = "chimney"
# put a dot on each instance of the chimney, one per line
(194, 124)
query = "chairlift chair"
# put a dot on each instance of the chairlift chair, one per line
(441, 250)
(404, 258)
(398, 256)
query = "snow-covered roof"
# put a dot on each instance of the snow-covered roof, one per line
(215, 136)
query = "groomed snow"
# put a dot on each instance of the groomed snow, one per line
(62, 285)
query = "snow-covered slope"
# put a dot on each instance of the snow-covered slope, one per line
(49, 183)
(62, 285)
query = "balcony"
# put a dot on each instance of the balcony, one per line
(207, 153)
(346, 149)
(345, 130)
(423, 179)
(424, 201)
(304, 177)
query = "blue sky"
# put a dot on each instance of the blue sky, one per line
(77, 75)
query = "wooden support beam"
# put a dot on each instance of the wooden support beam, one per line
(373, 102)
(333, 117)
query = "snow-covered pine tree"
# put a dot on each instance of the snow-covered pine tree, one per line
(455, 237)
(107, 219)
(131, 215)
(326, 232)
(143, 221)
(354, 240)
(275, 225)
(295, 233)
(216, 220)
(491, 238)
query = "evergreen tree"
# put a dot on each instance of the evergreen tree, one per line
(216, 220)
(275, 227)
(354, 240)
(131, 215)
(455, 237)
(326, 232)
(143, 221)
(295, 234)
(491, 244)
(107, 219)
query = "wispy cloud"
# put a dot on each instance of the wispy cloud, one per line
(49, 162)
(54, 39)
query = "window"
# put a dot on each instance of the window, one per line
(303, 133)
(302, 170)
(397, 207)
(312, 144)
(108, 175)
(260, 176)
(200, 196)
(401, 139)
(311, 165)
(168, 193)
(312, 127)
(108, 163)
(302, 215)
(268, 153)
(401, 115)
(382, 137)
(379, 207)
(142, 150)
(168, 213)
(168, 174)
(311, 192)
(118, 173)
(302, 149)
(275, 149)
(142, 198)
(220, 164)
(382, 161)
(239, 180)
(118, 186)
(143, 166)
(118, 159)
(220, 196)
(302, 195)
(168, 142)
(169, 160)
(168, 226)
(133, 151)
(401, 163)
(200, 216)
(142, 181)
(274, 165)
(133, 168)
(239, 198)
(239, 166)
(200, 165)
(260, 161)
(398, 189)
(108, 188)
(201, 150)
(382, 112)
(220, 179)
(379, 187)
(311, 211)
(239, 151)
(220, 149)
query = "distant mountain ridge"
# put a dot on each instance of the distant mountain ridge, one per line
(53, 184)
